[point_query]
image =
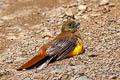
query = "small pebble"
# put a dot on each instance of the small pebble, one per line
(111, 5)
(111, 20)
(82, 7)
(92, 55)
(71, 64)
(113, 77)
(82, 78)
(46, 34)
(85, 47)
(69, 12)
(118, 30)
(104, 2)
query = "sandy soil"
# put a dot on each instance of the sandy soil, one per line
(19, 15)
(25, 25)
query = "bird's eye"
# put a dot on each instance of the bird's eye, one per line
(71, 25)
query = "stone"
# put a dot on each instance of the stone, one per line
(113, 77)
(118, 34)
(85, 46)
(1, 22)
(78, 0)
(69, 12)
(118, 30)
(61, 16)
(111, 5)
(92, 54)
(71, 64)
(72, 5)
(111, 20)
(5, 18)
(104, 2)
(9, 61)
(46, 34)
(82, 7)
(36, 26)
(82, 78)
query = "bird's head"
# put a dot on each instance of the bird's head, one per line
(70, 26)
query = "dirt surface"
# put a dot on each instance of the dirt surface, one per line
(16, 16)
(25, 25)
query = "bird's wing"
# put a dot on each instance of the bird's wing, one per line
(61, 47)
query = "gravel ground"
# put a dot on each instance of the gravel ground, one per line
(25, 26)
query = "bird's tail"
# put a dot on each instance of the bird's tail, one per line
(38, 59)
(45, 63)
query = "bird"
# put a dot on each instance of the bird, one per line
(66, 44)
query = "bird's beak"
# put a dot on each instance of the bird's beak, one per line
(76, 24)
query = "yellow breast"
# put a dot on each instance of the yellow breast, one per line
(78, 49)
